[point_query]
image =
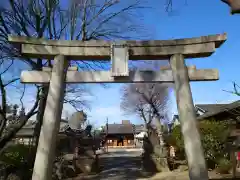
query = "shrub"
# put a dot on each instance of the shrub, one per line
(15, 159)
(15, 154)
(176, 140)
(224, 166)
(214, 137)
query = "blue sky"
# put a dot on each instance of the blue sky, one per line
(194, 19)
(197, 18)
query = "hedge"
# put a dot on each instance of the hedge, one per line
(214, 136)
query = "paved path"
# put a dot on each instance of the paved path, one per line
(119, 164)
(125, 164)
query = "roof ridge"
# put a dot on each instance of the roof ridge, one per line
(219, 103)
(214, 104)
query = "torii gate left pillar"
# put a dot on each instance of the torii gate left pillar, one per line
(175, 50)
(51, 120)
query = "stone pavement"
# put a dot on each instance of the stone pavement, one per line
(119, 164)
(125, 164)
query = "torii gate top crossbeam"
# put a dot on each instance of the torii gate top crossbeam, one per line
(202, 46)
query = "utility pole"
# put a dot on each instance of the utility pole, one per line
(107, 133)
(134, 133)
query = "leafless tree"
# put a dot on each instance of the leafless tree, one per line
(54, 19)
(233, 4)
(235, 90)
(149, 101)
(234, 112)
(8, 129)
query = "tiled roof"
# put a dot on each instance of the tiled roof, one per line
(210, 107)
(139, 128)
(223, 108)
(25, 132)
(119, 129)
(28, 129)
(123, 128)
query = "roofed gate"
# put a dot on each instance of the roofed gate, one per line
(119, 54)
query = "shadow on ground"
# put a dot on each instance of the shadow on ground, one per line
(224, 178)
(128, 165)
(118, 168)
(122, 164)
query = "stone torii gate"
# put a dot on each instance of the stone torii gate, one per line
(119, 54)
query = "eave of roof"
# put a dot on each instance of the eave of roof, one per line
(225, 108)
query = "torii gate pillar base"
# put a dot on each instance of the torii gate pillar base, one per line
(187, 114)
(51, 121)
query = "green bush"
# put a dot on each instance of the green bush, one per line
(214, 140)
(176, 139)
(17, 160)
(214, 137)
(224, 166)
(15, 155)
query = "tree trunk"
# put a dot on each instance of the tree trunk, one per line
(42, 105)
(163, 151)
(41, 109)
(11, 134)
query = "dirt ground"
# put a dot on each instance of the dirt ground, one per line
(170, 176)
(184, 176)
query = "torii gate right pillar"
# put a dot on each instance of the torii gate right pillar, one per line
(187, 115)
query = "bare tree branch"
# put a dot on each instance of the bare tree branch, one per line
(235, 90)
(146, 100)
(234, 5)
(55, 19)
(3, 119)
(14, 128)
